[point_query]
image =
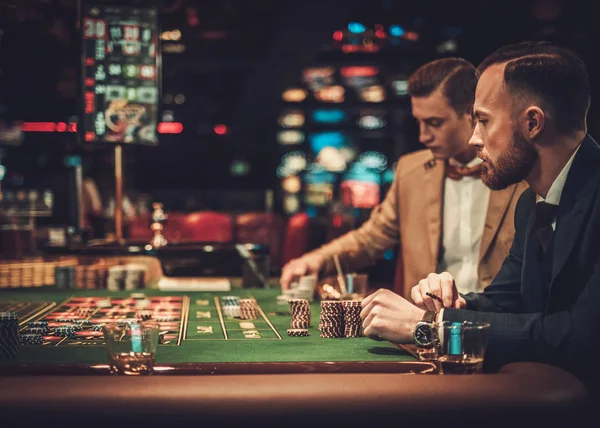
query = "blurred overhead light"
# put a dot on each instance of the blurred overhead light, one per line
(294, 95)
(370, 121)
(338, 36)
(292, 120)
(396, 30)
(356, 27)
(400, 87)
(179, 99)
(373, 94)
(291, 204)
(173, 35)
(331, 94)
(170, 128)
(449, 45)
(290, 137)
(362, 71)
(291, 184)
(220, 129)
(328, 116)
(239, 168)
(48, 127)
(412, 36)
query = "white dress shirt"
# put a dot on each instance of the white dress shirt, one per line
(555, 191)
(464, 212)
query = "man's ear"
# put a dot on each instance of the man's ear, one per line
(535, 122)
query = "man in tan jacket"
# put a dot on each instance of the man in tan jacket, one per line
(437, 209)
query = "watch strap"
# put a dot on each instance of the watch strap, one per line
(429, 317)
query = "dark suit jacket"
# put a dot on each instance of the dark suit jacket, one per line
(553, 318)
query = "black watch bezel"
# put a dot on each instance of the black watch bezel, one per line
(425, 328)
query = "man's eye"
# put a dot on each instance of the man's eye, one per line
(435, 123)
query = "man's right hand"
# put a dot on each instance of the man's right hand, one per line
(308, 264)
(441, 285)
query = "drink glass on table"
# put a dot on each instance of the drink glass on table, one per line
(461, 346)
(131, 347)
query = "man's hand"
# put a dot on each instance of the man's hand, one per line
(308, 264)
(389, 316)
(441, 285)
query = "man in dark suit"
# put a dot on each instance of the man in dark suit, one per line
(530, 107)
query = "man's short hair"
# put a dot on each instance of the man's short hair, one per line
(556, 75)
(455, 76)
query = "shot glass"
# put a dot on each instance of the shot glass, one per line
(461, 346)
(131, 347)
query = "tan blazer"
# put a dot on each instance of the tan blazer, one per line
(412, 215)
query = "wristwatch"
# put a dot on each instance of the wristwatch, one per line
(424, 334)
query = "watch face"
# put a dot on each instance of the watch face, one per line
(424, 335)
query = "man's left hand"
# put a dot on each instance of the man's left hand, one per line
(389, 316)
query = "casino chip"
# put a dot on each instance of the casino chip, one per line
(31, 339)
(352, 321)
(298, 332)
(248, 309)
(332, 319)
(300, 312)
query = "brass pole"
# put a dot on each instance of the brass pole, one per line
(119, 193)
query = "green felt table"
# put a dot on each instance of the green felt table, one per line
(270, 381)
(274, 351)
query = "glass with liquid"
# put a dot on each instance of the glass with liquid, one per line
(131, 347)
(461, 346)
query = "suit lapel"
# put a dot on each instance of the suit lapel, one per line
(576, 199)
(433, 189)
(498, 204)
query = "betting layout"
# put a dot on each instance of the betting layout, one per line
(228, 318)
(78, 321)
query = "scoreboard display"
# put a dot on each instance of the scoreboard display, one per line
(121, 74)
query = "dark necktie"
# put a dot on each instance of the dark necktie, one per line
(458, 172)
(544, 213)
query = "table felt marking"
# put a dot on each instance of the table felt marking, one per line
(185, 309)
(220, 313)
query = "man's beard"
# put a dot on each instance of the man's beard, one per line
(512, 166)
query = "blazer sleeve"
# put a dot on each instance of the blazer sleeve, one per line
(567, 338)
(365, 245)
(504, 293)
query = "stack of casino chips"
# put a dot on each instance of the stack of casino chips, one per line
(26, 274)
(49, 273)
(125, 277)
(231, 306)
(9, 335)
(4, 270)
(34, 333)
(300, 313)
(248, 309)
(332, 319)
(91, 277)
(352, 321)
(300, 317)
(67, 330)
(64, 276)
